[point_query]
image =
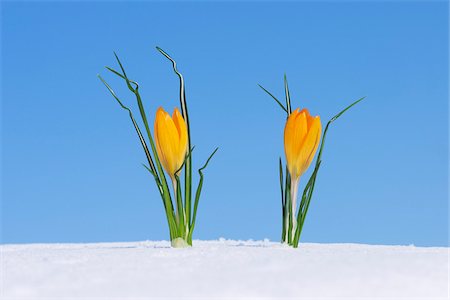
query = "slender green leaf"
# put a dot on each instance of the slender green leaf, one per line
(182, 89)
(207, 161)
(274, 98)
(288, 96)
(123, 77)
(155, 176)
(347, 108)
(148, 169)
(136, 127)
(198, 192)
(135, 91)
(185, 159)
(184, 110)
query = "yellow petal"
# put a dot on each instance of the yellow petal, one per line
(310, 145)
(295, 132)
(288, 140)
(180, 124)
(167, 141)
(300, 132)
(159, 116)
(309, 118)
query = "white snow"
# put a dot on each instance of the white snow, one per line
(222, 269)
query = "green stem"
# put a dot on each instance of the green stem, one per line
(294, 191)
(287, 206)
(283, 202)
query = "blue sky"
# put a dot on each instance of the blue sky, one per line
(71, 163)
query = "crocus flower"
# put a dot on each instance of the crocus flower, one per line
(171, 140)
(301, 140)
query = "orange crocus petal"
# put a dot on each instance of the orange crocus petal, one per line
(301, 139)
(180, 124)
(310, 145)
(288, 140)
(300, 132)
(309, 118)
(171, 140)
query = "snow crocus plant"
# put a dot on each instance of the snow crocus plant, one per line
(170, 151)
(302, 138)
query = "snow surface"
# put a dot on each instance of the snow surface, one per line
(222, 269)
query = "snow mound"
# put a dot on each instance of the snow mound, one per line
(222, 269)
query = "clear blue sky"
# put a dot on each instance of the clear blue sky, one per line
(71, 165)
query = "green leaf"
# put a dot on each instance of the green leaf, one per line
(123, 77)
(347, 108)
(185, 159)
(184, 111)
(288, 96)
(207, 161)
(198, 192)
(156, 178)
(136, 127)
(278, 101)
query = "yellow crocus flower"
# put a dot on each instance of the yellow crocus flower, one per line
(171, 138)
(301, 140)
